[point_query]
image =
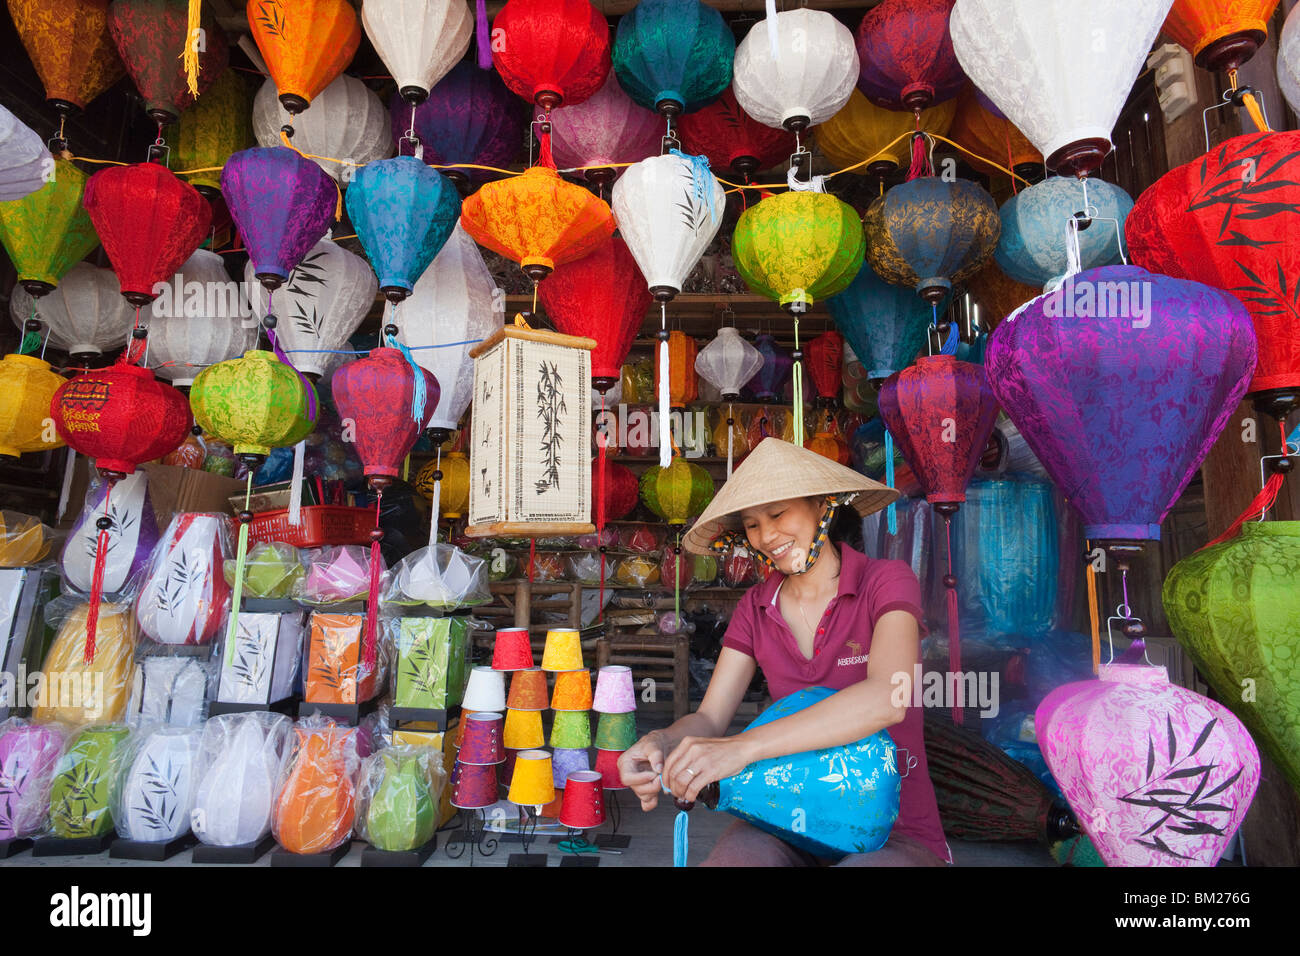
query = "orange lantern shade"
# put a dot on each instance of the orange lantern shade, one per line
(1220, 34)
(683, 382)
(992, 137)
(527, 690)
(997, 295)
(572, 691)
(71, 48)
(307, 44)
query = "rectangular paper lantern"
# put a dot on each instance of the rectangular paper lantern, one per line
(530, 458)
(333, 674)
(24, 592)
(169, 690)
(259, 665)
(431, 662)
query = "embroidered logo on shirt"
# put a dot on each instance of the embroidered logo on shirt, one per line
(857, 658)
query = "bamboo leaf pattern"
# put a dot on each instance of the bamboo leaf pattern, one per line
(550, 407)
(270, 14)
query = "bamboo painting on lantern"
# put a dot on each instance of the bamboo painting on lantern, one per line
(550, 409)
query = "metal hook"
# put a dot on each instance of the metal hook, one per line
(1122, 613)
(1290, 450)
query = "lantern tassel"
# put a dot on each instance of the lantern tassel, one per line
(797, 389)
(237, 592)
(484, 35)
(1093, 616)
(97, 583)
(730, 417)
(682, 823)
(920, 160)
(665, 432)
(1254, 511)
(190, 55)
(372, 606)
(295, 487)
(602, 441)
(891, 512)
(419, 390)
(437, 502)
(954, 627)
(544, 157)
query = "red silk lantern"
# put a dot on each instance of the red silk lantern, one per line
(551, 52)
(149, 222)
(602, 296)
(622, 490)
(388, 407)
(825, 361)
(729, 136)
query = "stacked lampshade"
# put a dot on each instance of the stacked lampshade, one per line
(584, 800)
(531, 784)
(512, 650)
(615, 701)
(474, 775)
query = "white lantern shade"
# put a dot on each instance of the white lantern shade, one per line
(454, 303)
(486, 690)
(85, 314)
(346, 121)
(168, 690)
(607, 128)
(668, 210)
(201, 319)
(183, 598)
(261, 660)
(728, 362)
(157, 793)
(25, 163)
(418, 40)
(809, 80)
(1288, 60)
(243, 756)
(1060, 70)
(326, 298)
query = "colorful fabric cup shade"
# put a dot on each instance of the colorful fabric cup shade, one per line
(528, 690)
(563, 651)
(486, 690)
(482, 742)
(571, 729)
(584, 801)
(524, 729)
(572, 691)
(566, 761)
(473, 786)
(512, 651)
(614, 693)
(607, 767)
(530, 785)
(616, 731)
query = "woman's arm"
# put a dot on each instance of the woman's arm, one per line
(855, 712)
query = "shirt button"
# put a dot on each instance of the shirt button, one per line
(821, 630)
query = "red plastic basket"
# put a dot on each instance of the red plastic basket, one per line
(321, 525)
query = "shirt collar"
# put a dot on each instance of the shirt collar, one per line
(851, 567)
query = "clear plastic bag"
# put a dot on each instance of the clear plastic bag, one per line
(159, 780)
(316, 807)
(584, 567)
(184, 597)
(272, 569)
(335, 575)
(399, 795)
(544, 567)
(637, 571)
(642, 538)
(335, 670)
(28, 755)
(607, 537)
(132, 536)
(242, 759)
(738, 568)
(83, 790)
(676, 568)
(170, 689)
(260, 663)
(72, 691)
(441, 576)
(24, 541)
(704, 570)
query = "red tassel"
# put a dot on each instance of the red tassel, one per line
(97, 584)
(372, 611)
(544, 157)
(1256, 509)
(920, 161)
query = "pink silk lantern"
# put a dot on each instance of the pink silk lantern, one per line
(1156, 774)
(607, 128)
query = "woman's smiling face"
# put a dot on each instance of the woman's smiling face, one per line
(784, 530)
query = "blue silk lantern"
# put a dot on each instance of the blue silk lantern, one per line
(404, 213)
(885, 324)
(282, 203)
(1036, 234)
(768, 383)
(673, 56)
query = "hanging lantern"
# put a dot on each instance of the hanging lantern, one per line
(48, 231)
(418, 40)
(469, 117)
(728, 362)
(825, 365)
(802, 80)
(1208, 222)
(884, 323)
(85, 315)
(306, 44)
(828, 442)
(452, 473)
(1288, 61)
(608, 128)
(1120, 746)
(27, 387)
(993, 137)
(862, 131)
(390, 401)
(149, 221)
(25, 163)
(1122, 408)
(771, 377)
(531, 421)
(254, 403)
(601, 296)
(997, 295)
(961, 233)
(348, 122)
(1220, 34)
(621, 491)
(683, 387)
(194, 323)
(218, 124)
(551, 52)
(729, 137)
(282, 204)
(148, 34)
(677, 493)
(673, 56)
(71, 48)
(906, 55)
(1232, 606)
(1036, 228)
(1064, 94)
(453, 307)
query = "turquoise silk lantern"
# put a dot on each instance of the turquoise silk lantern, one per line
(674, 56)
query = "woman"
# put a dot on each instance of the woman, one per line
(829, 617)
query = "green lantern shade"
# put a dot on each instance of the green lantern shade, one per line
(255, 403)
(401, 814)
(1235, 607)
(219, 123)
(571, 730)
(81, 794)
(616, 731)
(798, 247)
(674, 56)
(49, 231)
(677, 493)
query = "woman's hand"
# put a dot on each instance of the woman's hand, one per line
(640, 766)
(698, 761)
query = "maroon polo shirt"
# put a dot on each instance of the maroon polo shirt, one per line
(868, 588)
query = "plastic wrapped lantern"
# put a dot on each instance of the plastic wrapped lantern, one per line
(604, 131)
(677, 493)
(673, 56)
(862, 132)
(28, 755)
(25, 163)
(185, 339)
(132, 537)
(400, 798)
(183, 599)
(1220, 34)
(906, 55)
(551, 52)
(316, 807)
(158, 787)
(107, 672)
(348, 121)
(70, 46)
(243, 756)
(306, 44)
(217, 125)
(27, 387)
(727, 136)
(1036, 236)
(48, 231)
(85, 780)
(418, 40)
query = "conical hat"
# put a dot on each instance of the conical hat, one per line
(775, 471)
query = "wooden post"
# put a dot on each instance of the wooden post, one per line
(523, 604)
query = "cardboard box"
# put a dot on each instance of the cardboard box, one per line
(171, 490)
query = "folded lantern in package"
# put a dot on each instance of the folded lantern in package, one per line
(23, 540)
(441, 576)
(336, 672)
(85, 782)
(28, 755)
(260, 661)
(243, 758)
(24, 594)
(168, 690)
(185, 595)
(316, 807)
(155, 795)
(432, 662)
(400, 791)
(75, 692)
(272, 570)
(336, 575)
(131, 536)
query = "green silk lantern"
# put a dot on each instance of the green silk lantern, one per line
(677, 493)
(219, 123)
(1235, 607)
(81, 793)
(255, 403)
(49, 231)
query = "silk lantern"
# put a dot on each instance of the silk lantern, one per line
(28, 755)
(254, 403)
(825, 365)
(768, 382)
(158, 787)
(25, 163)
(306, 44)
(862, 132)
(70, 45)
(1220, 34)
(348, 123)
(1233, 605)
(149, 221)
(1064, 95)
(453, 500)
(47, 232)
(390, 401)
(960, 232)
(84, 315)
(683, 386)
(906, 55)
(885, 324)
(418, 40)
(218, 124)
(196, 322)
(993, 137)
(183, 598)
(802, 80)
(27, 387)
(401, 805)
(727, 136)
(1130, 749)
(1209, 222)
(621, 491)
(85, 779)
(316, 807)
(728, 362)
(1037, 242)
(677, 493)
(1288, 61)
(243, 756)
(148, 34)
(105, 670)
(605, 131)
(551, 52)
(1123, 455)
(673, 56)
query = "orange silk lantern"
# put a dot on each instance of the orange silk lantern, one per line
(1220, 34)
(992, 137)
(71, 48)
(683, 383)
(306, 44)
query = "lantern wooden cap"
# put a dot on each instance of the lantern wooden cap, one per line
(532, 335)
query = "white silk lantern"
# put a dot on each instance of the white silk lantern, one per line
(346, 121)
(157, 792)
(418, 40)
(326, 298)
(243, 756)
(605, 131)
(806, 80)
(1288, 60)
(86, 314)
(25, 163)
(1060, 70)
(727, 363)
(198, 321)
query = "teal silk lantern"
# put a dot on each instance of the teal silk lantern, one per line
(885, 324)
(673, 56)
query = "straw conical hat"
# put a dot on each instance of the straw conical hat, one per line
(775, 471)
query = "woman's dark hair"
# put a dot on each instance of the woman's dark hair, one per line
(846, 528)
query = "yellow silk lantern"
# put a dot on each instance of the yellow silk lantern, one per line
(75, 692)
(454, 501)
(739, 437)
(863, 131)
(219, 123)
(532, 784)
(677, 493)
(27, 386)
(683, 383)
(306, 44)
(71, 48)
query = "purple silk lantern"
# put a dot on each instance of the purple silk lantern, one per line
(282, 204)
(1120, 382)
(769, 381)
(28, 754)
